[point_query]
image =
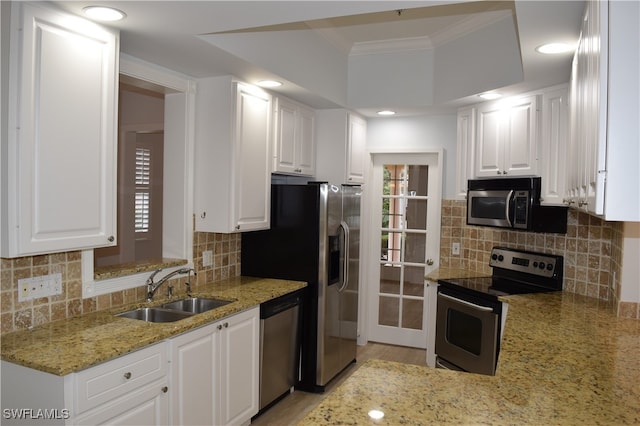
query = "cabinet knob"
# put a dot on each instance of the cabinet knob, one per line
(127, 375)
(111, 239)
(499, 172)
(203, 215)
(238, 227)
(165, 389)
(504, 172)
(582, 203)
(226, 325)
(219, 327)
(429, 262)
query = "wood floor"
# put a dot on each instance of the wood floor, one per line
(297, 405)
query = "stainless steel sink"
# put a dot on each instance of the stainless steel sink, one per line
(196, 305)
(155, 314)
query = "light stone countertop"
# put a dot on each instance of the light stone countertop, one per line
(565, 360)
(70, 345)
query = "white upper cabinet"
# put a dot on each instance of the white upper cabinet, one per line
(232, 156)
(341, 150)
(60, 190)
(603, 172)
(553, 145)
(356, 148)
(506, 140)
(295, 138)
(465, 144)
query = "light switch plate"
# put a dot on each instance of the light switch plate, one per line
(37, 287)
(455, 249)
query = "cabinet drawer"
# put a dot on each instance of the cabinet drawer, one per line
(112, 379)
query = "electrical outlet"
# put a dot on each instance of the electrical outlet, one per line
(207, 258)
(455, 249)
(37, 287)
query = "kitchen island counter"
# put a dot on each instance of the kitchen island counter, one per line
(70, 345)
(565, 359)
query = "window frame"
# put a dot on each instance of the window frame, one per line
(181, 210)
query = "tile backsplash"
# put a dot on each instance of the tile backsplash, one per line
(15, 315)
(592, 250)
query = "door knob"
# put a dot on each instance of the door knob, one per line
(429, 262)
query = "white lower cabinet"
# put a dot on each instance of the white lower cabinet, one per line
(208, 376)
(214, 372)
(132, 389)
(145, 406)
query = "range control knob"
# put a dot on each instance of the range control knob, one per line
(542, 265)
(500, 258)
(549, 267)
(494, 256)
(535, 264)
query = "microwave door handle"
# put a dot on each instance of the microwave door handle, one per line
(507, 208)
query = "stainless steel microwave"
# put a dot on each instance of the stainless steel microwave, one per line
(513, 203)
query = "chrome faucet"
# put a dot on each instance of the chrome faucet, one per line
(152, 287)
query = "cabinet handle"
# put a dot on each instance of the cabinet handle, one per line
(504, 172)
(429, 262)
(499, 172)
(226, 325)
(219, 326)
(165, 389)
(127, 375)
(238, 227)
(203, 215)
(582, 203)
(111, 239)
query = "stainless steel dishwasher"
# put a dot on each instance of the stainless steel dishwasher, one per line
(279, 346)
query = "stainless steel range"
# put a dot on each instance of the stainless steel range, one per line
(470, 318)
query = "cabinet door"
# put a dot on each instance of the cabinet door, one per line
(62, 138)
(356, 148)
(252, 180)
(466, 124)
(520, 140)
(286, 137)
(194, 375)
(306, 153)
(553, 146)
(239, 367)
(144, 406)
(489, 154)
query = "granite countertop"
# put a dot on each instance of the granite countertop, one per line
(450, 273)
(565, 360)
(65, 346)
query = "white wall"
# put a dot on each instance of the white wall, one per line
(418, 132)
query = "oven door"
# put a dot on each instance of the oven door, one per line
(467, 334)
(490, 208)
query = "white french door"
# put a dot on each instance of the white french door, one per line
(404, 241)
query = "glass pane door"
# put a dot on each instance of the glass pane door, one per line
(403, 203)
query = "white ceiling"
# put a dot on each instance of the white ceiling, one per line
(333, 38)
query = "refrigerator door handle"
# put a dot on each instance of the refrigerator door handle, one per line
(345, 255)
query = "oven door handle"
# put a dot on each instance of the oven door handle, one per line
(464, 302)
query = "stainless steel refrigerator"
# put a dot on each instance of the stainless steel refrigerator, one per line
(314, 237)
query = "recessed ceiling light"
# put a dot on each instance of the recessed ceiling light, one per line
(554, 48)
(490, 95)
(102, 13)
(386, 112)
(269, 83)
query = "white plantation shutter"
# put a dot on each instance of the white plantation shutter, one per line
(143, 190)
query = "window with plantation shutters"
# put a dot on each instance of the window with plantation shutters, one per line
(142, 213)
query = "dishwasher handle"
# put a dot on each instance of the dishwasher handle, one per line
(270, 309)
